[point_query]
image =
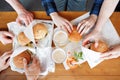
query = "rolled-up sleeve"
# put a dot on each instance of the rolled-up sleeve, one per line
(49, 6)
(96, 7)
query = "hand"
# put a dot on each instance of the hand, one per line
(6, 37)
(61, 22)
(85, 25)
(113, 53)
(4, 60)
(24, 17)
(94, 36)
(33, 70)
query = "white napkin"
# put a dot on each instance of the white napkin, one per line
(92, 57)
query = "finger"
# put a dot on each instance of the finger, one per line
(7, 53)
(108, 57)
(26, 21)
(6, 41)
(71, 27)
(96, 43)
(67, 26)
(84, 30)
(64, 29)
(5, 58)
(8, 34)
(19, 21)
(79, 25)
(34, 60)
(7, 63)
(104, 55)
(85, 42)
(29, 21)
(81, 28)
(88, 29)
(25, 64)
(31, 18)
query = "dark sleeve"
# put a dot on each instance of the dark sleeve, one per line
(49, 6)
(96, 7)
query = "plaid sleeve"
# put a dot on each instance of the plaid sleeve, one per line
(49, 6)
(96, 7)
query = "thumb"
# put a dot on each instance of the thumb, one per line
(25, 63)
(96, 43)
(19, 21)
(85, 42)
(7, 64)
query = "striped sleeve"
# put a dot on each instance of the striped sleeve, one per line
(96, 7)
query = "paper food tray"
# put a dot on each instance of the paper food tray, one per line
(15, 28)
(16, 52)
(109, 34)
(70, 49)
(46, 63)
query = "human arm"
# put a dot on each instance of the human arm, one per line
(112, 53)
(106, 11)
(86, 24)
(4, 60)
(32, 71)
(24, 16)
(6, 37)
(59, 21)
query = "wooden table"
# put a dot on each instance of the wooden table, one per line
(107, 70)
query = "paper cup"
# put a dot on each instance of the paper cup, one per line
(59, 55)
(60, 37)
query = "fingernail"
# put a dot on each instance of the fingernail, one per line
(24, 60)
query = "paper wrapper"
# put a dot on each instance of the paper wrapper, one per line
(109, 34)
(17, 52)
(46, 63)
(15, 28)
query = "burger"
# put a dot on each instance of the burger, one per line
(39, 31)
(74, 36)
(102, 47)
(18, 60)
(22, 39)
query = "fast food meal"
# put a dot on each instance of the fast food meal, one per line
(102, 46)
(74, 36)
(22, 39)
(39, 31)
(18, 60)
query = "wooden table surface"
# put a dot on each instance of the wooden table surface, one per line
(107, 70)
